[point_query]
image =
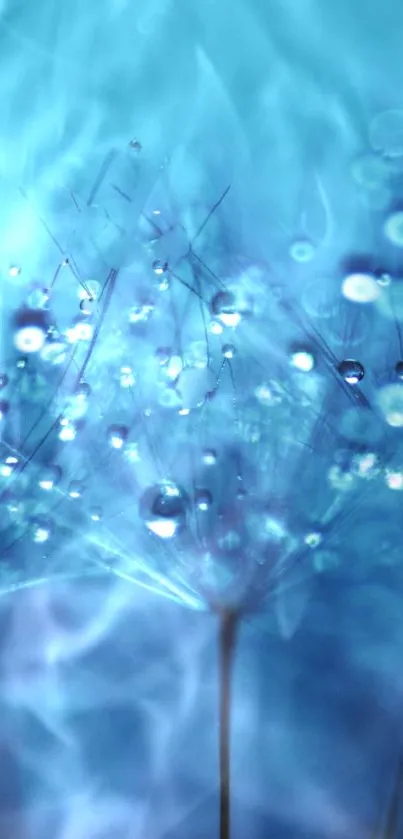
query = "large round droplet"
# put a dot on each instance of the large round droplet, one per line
(163, 508)
(30, 330)
(228, 307)
(351, 371)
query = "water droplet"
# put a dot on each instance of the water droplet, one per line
(49, 477)
(117, 436)
(54, 352)
(228, 308)
(8, 465)
(203, 499)
(163, 509)
(14, 271)
(360, 288)
(351, 371)
(68, 431)
(302, 250)
(83, 391)
(38, 298)
(76, 489)
(159, 267)
(394, 229)
(96, 513)
(127, 377)
(302, 359)
(390, 400)
(365, 464)
(88, 306)
(210, 457)
(228, 350)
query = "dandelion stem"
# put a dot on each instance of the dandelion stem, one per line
(228, 627)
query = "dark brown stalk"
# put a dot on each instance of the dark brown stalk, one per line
(228, 626)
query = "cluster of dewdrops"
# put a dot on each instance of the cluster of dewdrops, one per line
(164, 506)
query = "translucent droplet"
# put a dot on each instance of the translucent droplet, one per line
(360, 288)
(160, 267)
(228, 350)
(96, 513)
(351, 371)
(88, 306)
(68, 431)
(302, 359)
(302, 250)
(82, 330)
(210, 457)
(49, 477)
(390, 400)
(399, 369)
(340, 479)
(117, 436)
(76, 489)
(8, 465)
(91, 291)
(386, 133)
(83, 391)
(366, 464)
(14, 271)
(163, 509)
(203, 499)
(229, 308)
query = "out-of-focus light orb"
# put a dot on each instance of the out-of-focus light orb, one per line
(8, 466)
(203, 499)
(215, 327)
(390, 401)
(394, 479)
(393, 228)
(76, 489)
(360, 288)
(366, 464)
(132, 453)
(81, 330)
(14, 271)
(54, 352)
(49, 477)
(302, 250)
(67, 431)
(351, 371)
(96, 513)
(210, 457)
(127, 377)
(302, 360)
(30, 330)
(117, 436)
(41, 531)
(228, 351)
(163, 508)
(399, 370)
(140, 314)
